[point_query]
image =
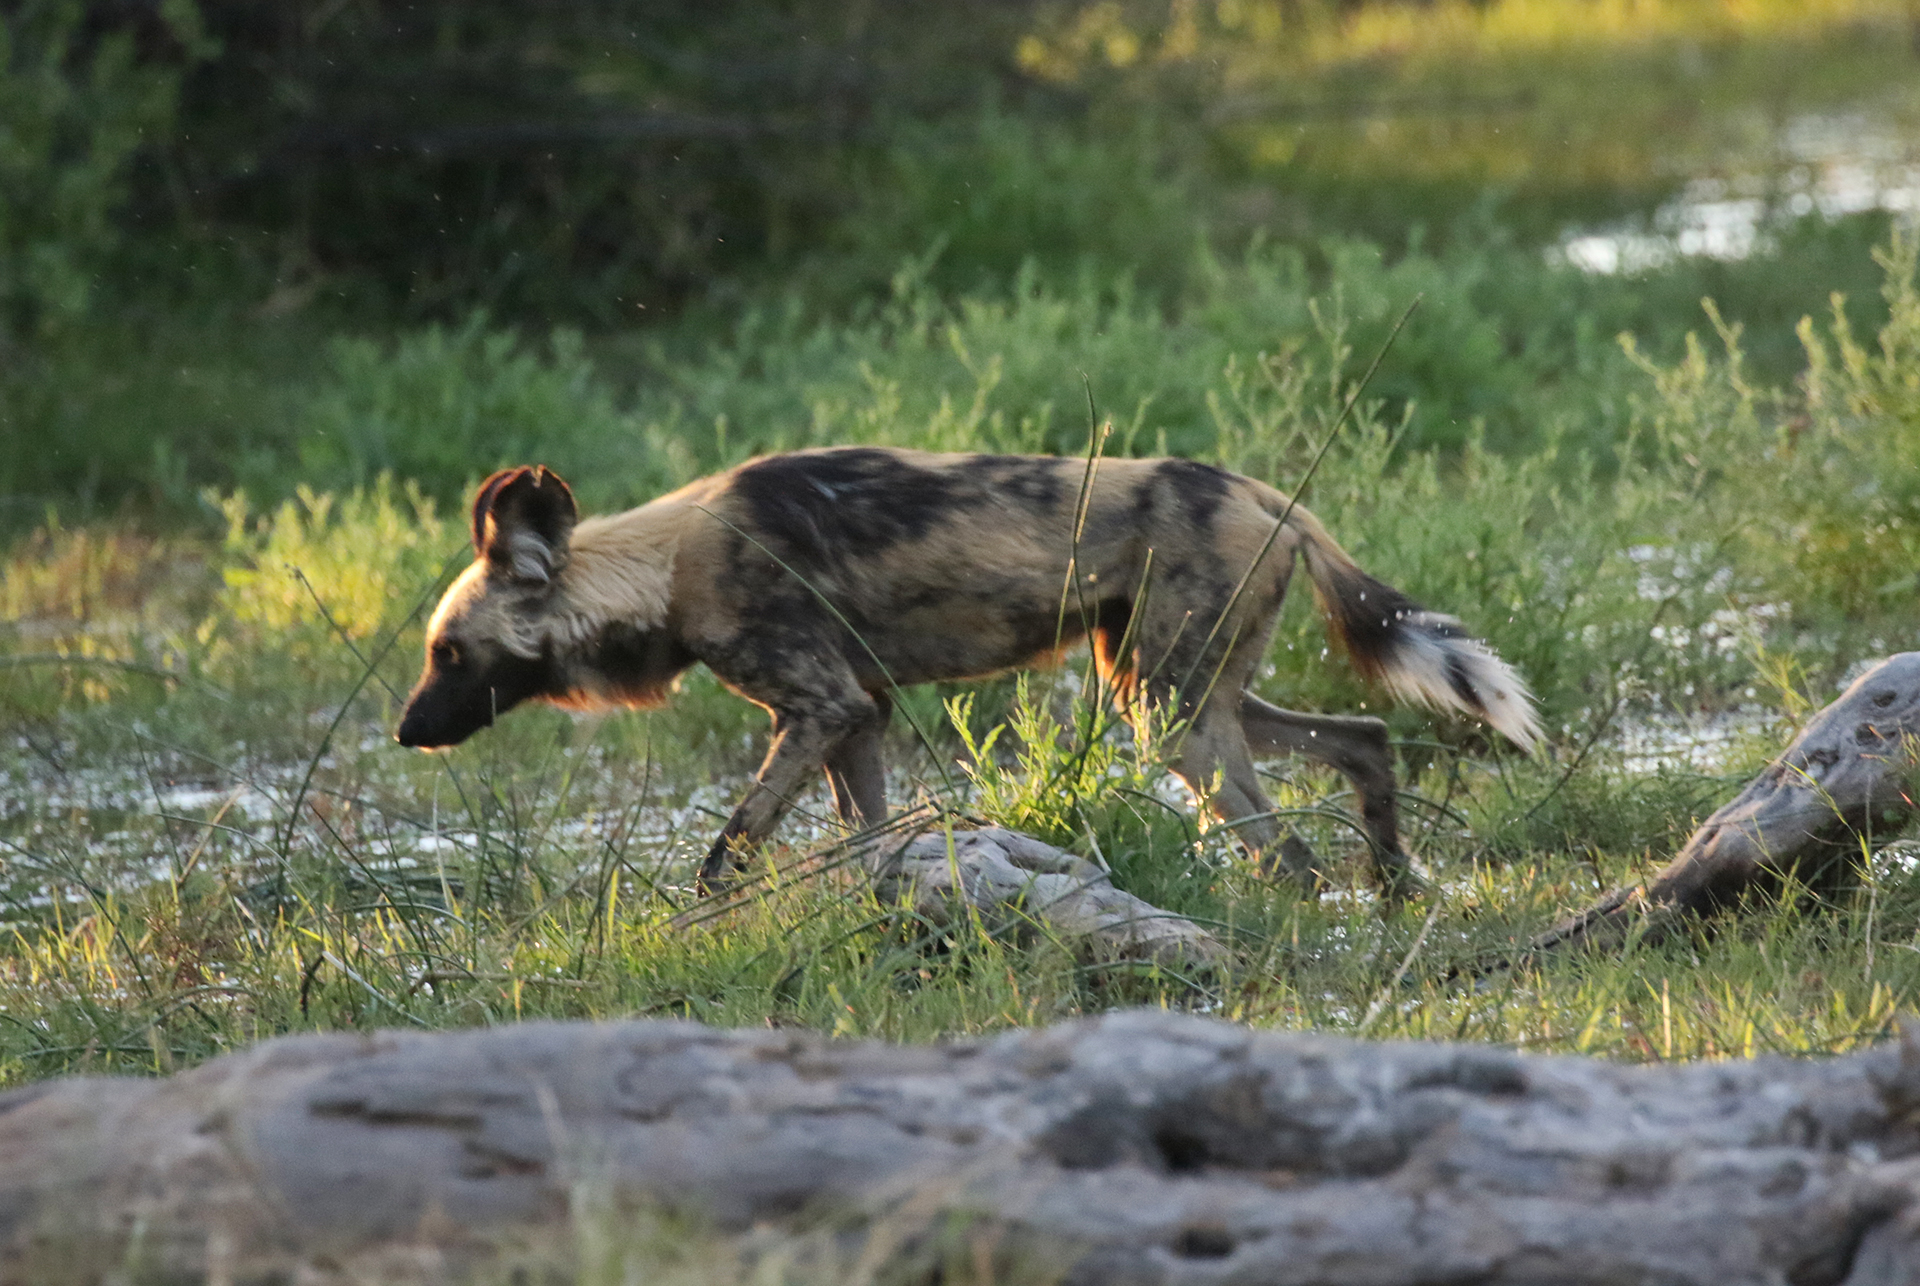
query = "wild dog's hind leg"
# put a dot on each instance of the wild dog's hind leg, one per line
(1355, 746)
(1210, 753)
(1215, 763)
(857, 773)
(807, 729)
(1212, 760)
(1178, 648)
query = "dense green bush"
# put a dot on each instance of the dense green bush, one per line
(447, 405)
(73, 110)
(1825, 477)
(980, 196)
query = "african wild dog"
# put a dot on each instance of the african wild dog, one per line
(813, 583)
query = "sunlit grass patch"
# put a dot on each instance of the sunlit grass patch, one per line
(1382, 114)
(1512, 27)
(356, 563)
(92, 614)
(1322, 33)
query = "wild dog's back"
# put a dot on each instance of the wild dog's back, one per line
(950, 566)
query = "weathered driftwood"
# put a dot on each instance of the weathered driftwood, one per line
(996, 872)
(1843, 786)
(1140, 1147)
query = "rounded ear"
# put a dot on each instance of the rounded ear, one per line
(522, 520)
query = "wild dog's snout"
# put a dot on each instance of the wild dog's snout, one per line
(413, 732)
(440, 714)
(418, 729)
(453, 701)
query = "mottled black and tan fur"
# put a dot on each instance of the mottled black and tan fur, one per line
(813, 583)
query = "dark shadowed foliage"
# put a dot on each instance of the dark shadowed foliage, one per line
(580, 159)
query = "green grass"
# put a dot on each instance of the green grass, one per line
(209, 839)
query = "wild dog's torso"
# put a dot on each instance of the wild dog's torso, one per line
(908, 566)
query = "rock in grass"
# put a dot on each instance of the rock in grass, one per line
(1845, 784)
(1139, 1147)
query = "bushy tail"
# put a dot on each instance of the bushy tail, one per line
(1419, 656)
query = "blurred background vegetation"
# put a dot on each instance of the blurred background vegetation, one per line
(247, 244)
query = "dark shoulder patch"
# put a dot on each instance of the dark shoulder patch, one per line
(1199, 488)
(854, 500)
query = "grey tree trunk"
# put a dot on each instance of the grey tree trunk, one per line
(1139, 1148)
(1001, 873)
(1844, 785)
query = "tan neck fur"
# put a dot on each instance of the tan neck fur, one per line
(619, 570)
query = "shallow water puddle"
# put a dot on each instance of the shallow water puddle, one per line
(1830, 164)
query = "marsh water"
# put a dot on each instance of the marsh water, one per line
(1827, 164)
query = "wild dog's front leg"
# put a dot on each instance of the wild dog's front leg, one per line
(805, 734)
(1355, 746)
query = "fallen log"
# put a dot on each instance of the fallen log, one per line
(1001, 874)
(1844, 785)
(1140, 1147)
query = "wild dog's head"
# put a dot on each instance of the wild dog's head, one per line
(486, 645)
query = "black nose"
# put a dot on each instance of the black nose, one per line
(412, 731)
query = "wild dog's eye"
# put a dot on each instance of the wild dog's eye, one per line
(446, 654)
